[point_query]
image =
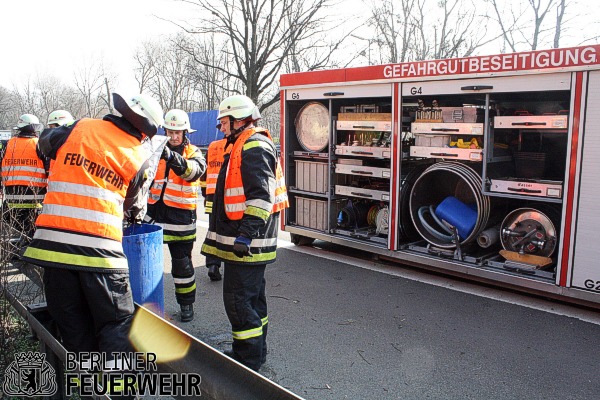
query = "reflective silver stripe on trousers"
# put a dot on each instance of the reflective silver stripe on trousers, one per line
(183, 281)
(176, 228)
(228, 240)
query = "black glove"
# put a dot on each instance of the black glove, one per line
(167, 154)
(241, 246)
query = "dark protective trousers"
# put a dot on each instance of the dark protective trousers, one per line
(246, 307)
(93, 311)
(182, 270)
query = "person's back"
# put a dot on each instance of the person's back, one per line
(86, 192)
(24, 175)
(97, 176)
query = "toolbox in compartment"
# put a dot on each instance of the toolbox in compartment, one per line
(432, 140)
(311, 176)
(312, 213)
(459, 114)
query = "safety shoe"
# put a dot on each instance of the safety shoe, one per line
(213, 272)
(187, 312)
(230, 353)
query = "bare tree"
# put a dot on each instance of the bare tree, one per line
(166, 71)
(144, 71)
(8, 113)
(89, 81)
(409, 30)
(258, 37)
(207, 67)
(525, 26)
(394, 33)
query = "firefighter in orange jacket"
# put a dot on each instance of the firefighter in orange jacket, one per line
(214, 155)
(172, 205)
(98, 170)
(244, 224)
(24, 176)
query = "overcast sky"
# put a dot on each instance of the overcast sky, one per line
(56, 37)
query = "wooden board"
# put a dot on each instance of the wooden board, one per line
(364, 116)
(529, 259)
(429, 120)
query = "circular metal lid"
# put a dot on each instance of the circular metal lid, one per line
(530, 231)
(312, 126)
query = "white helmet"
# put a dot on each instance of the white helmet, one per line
(238, 107)
(178, 120)
(142, 111)
(27, 119)
(60, 118)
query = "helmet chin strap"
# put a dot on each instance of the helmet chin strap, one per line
(234, 132)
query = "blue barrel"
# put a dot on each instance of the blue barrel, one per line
(143, 246)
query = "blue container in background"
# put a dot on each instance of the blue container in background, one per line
(457, 214)
(143, 246)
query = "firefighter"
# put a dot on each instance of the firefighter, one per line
(24, 176)
(99, 168)
(244, 224)
(172, 205)
(59, 118)
(214, 155)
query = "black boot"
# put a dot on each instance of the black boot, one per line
(187, 312)
(213, 272)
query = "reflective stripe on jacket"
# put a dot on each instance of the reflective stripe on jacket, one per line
(175, 191)
(215, 155)
(81, 222)
(23, 173)
(236, 204)
(214, 159)
(257, 171)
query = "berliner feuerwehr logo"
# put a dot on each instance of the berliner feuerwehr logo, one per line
(30, 375)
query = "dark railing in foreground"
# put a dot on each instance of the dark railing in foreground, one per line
(221, 377)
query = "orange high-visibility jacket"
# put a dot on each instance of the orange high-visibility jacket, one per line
(21, 166)
(81, 225)
(178, 192)
(214, 159)
(235, 199)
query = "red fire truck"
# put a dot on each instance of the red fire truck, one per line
(485, 167)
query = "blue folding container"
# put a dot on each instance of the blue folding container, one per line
(143, 246)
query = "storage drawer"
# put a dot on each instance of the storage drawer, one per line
(312, 176)
(364, 126)
(362, 193)
(363, 151)
(312, 213)
(432, 140)
(339, 92)
(531, 122)
(550, 189)
(373, 172)
(450, 128)
(447, 152)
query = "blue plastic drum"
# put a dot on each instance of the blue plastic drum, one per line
(143, 246)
